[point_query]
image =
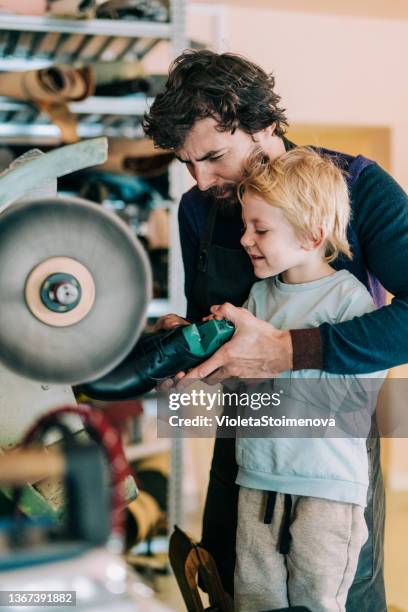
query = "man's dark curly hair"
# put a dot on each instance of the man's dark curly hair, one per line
(227, 87)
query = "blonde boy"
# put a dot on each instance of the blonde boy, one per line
(301, 504)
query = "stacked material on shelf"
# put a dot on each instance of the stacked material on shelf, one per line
(57, 8)
(149, 10)
(50, 89)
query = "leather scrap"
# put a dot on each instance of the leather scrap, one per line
(72, 8)
(50, 89)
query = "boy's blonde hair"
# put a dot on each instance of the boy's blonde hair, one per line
(309, 189)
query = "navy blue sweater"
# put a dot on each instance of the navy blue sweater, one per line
(373, 342)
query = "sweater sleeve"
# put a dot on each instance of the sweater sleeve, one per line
(377, 340)
(351, 397)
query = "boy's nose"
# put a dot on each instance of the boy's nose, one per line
(246, 239)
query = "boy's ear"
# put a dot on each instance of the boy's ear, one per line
(312, 242)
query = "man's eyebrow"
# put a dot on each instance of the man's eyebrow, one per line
(200, 159)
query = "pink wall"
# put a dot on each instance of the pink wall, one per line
(329, 69)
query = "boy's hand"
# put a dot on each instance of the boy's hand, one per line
(168, 322)
(257, 349)
(211, 317)
(168, 383)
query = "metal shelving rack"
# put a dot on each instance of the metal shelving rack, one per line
(28, 43)
(20, 122)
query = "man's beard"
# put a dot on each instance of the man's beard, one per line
(226, 197)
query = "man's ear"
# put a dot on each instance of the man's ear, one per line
(270, 129)
(265, 134)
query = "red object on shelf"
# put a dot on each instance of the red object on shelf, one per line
(97, 423)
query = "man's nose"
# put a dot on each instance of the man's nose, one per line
(203, 177)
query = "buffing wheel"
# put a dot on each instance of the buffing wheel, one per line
(74, 288)
(52, 283)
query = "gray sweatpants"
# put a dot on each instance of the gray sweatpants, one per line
(319, 569)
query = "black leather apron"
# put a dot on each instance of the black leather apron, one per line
(223, 275)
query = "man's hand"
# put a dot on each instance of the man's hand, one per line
(257, 349)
